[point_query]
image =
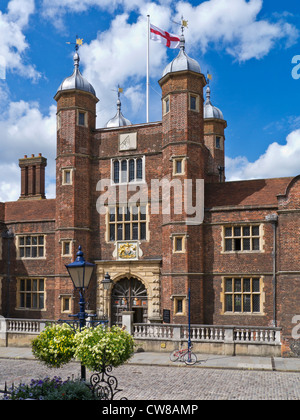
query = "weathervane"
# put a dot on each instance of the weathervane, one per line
(184, 24)
(119, 91)
(78, 43)
(208, 77)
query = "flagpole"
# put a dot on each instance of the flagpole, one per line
(148, 83)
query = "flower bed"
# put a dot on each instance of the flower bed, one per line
(51, 389)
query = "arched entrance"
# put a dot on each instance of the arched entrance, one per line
(129, 295)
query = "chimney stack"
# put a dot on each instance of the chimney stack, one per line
(33, 177)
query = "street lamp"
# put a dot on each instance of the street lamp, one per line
(107, 282)
(81, 272)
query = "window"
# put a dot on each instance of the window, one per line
(166, 105)
(178, 165)
(128, 170)
(179, 243)
(242, 238)
(31, 293)
(127, 223)
(218, 142)
(67, 176)
(66, 303)
(31, 246)
(66, 248)
(242, 295)
(179, 304)
(194, 102)
(58, 121)
(82, 118)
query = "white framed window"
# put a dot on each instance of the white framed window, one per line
(66, 248)
(179, 243)
(179, 163)
(194, 101)
(242, 295)
(127, 223)
(242, 238)
(67, 176)
(166, 105)
(82, 118)
(31, 246)
(131, 169)
(31, 293)
(66, 303)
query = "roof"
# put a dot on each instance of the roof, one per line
(29, 210)
(257, 192)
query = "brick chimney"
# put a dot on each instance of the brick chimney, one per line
(33, 177)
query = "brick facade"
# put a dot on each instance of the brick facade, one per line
(234, 243)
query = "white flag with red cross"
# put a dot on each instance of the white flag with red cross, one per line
(164, 37)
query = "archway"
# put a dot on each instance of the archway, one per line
(129, 295)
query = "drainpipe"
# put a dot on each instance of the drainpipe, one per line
(273, 218)
(9, 235)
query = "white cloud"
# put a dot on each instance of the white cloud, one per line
(277, 161)
(10, 182)
(118, 56)
(236, 28)
(13, 41)
(25, 130)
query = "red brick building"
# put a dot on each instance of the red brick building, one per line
(149, 204)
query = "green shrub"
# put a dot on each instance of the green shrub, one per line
(55, 345)
(98, 346)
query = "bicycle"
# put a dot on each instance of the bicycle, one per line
(184, 355)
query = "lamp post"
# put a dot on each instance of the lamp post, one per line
(81, 272)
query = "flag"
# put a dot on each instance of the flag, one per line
(169, 40)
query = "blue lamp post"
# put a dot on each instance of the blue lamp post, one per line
(81, 272)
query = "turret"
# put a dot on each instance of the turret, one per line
(214, 139)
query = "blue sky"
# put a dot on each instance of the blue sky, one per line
(248, 46)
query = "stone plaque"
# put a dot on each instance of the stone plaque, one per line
(127, 141)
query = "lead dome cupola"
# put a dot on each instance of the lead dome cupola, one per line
(211, 111)
(182, 62)
(118, 120)
(76, 80)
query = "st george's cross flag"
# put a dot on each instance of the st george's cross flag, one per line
(159, 35)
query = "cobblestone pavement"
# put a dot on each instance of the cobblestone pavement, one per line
(173, 383)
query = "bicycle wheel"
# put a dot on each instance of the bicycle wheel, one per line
(174, 356)
(190, 358)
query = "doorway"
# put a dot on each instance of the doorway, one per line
(129, 295)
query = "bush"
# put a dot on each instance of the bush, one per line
(52, 389)
(98, 346)
(54, 346)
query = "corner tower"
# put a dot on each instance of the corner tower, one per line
(76, 120)
(183, 154)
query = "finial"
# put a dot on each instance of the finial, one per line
(208, 95)
(78, 43)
